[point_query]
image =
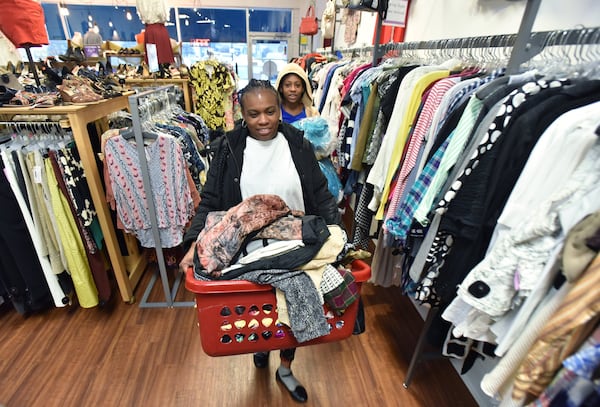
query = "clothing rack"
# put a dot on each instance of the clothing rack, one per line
(513, 51)
(567, 44)
(33, 125)
(143, 106)
(506, 46)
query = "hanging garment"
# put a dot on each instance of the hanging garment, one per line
(405, 109)
(22, 21)
(67, 169)
(153, 11)
(214, 86)
(170, 190)
(77, 263)
(158, 35)
(22, 279)
(500, 168)
(572, 323)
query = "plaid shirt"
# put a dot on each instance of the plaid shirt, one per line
(399, 224)
(475, 85)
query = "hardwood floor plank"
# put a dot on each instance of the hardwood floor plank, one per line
(127, 356)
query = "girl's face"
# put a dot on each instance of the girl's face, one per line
(261, 112)
(292, 88)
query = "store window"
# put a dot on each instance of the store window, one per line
(273, 21)
(56, 36)
(114, 23)
(213, 33)
(205, 33)
(53, 23)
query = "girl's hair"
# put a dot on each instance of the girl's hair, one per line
(254, 85)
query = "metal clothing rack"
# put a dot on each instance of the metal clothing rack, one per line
(140, 107)
(34, 125)
(524, 46)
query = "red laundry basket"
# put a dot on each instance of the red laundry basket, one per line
(237, 317)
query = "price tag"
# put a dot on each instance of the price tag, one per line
(152, 57)
(37, 174)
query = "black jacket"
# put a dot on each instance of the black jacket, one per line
(222, 187)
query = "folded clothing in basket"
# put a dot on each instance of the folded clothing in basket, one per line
(340, 289)
(215, 253)
(223, 252)
(224, 233)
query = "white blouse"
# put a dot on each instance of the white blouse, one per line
(153, 11)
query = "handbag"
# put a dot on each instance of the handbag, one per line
(308, 24)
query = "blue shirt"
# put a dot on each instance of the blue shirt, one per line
(289, 118)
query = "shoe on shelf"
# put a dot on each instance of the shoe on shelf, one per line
(175, 73)
(298, 394)
(78, 54)
(184, 71)
(261, 359)
(145, 71)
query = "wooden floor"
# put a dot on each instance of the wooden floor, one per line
(124, 355)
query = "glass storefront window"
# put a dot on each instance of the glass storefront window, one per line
(53, 23)
(56, 36)
(214, 33)
(114, 23)
(273, 21)
(268, 57)
(205, 33)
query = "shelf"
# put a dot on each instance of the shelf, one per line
(126, 268)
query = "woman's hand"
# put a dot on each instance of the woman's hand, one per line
(187, 260)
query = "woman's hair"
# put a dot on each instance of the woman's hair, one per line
(257, 84)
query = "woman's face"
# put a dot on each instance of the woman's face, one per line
(292, 88)
(261, 112)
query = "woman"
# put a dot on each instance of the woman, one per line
(296, 94)
(264, 156)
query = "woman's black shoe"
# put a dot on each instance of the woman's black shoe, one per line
(261, 359)
(298, 394)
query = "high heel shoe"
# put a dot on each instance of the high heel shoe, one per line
(145, 71)
(77, 91)
(10, 67)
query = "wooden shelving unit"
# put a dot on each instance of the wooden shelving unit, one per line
(128, 268)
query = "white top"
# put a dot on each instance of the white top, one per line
(153, 11)
(268, 169)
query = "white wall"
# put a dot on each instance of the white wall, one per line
(437, 19)
(431, 19)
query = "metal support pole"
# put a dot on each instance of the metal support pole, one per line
(418, 353)
(139, 141)
(32, 67)
(521, 47)
(376, 47)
